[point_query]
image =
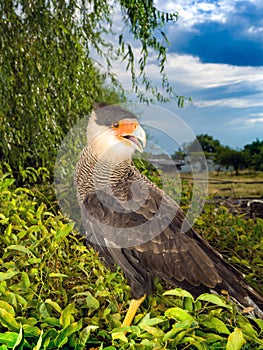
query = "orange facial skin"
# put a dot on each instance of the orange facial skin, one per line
(124, 127)
(131, 133)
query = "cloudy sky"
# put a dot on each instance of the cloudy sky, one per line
(216, 57)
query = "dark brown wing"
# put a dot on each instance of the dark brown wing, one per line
(139, 227)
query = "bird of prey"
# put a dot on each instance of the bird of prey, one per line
(133, 223)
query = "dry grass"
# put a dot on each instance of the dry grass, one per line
(226, 184)
(246, 185)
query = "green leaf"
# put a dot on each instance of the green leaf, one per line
(40, 211)
(92, 302)
(19, 338)
(8, 230)
(213, 299)
(60, 340)
(235, 340)
(179, 314)
(63, 231)
(85, 334)
(6, 183)
(3, 347)
(8, 320)
(7, 275)
(198, 342)
(39, 342)
(43, 311)
(171, 333)
(150, 321)
(186, 326)
(179, 293)
(259, 323)
(48, 338)
(21, 300)
(21, 249)
(181, 335)
(62, 337)
(217, 324)
(34, 261)
(188, 304)
(247, 328)
(72, 328)
(154, 331)
(11, 298)
(8, 338)
(31, 331)
(9, 308)
(66, 315)
(56, 274)
(25, 280)
(119, 336)
(54, 305)
(52, 321)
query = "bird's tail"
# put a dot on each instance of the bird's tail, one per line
(239, 290)
(233, 282)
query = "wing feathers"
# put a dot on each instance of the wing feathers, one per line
(162, 249)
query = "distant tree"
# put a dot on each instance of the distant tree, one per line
(209, 145)
(255, 147)
(254, 153)
(227, 156)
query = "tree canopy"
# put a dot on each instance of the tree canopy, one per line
(249, 157)
(48, 77)
(254, 153)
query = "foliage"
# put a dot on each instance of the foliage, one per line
(48, 77)
(47, 81)
(55, 293)
(210, 146)
(250, 156)
(146, 23)
(231, 157)
(238, 238)
(254, 153)
(147, 169)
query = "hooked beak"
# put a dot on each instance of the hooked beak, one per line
(138, 137)
(133, 132)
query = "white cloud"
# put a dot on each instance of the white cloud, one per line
(242, 102)
(255, 30)
(193, 12)
(257, 3)
(258, 115)
(228, 100)
(240, 87)
(255, 120)
(189, 70)
(247, 120)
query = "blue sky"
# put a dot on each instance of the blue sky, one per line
(216, 57)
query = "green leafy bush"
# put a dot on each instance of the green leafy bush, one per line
(56, 294)
(237, 238)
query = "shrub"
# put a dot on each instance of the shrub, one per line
(56, 294)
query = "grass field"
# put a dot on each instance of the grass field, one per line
(246, 185)
(226, 184)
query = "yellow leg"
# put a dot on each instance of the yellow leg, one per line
(134, 306)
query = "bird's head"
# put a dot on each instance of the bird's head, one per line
(115, 133)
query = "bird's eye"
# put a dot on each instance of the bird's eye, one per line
(115, 125)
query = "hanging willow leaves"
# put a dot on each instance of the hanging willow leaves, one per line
(49, 79)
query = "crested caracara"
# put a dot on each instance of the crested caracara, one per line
(134, 224)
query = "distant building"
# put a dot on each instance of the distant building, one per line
(165, 163)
